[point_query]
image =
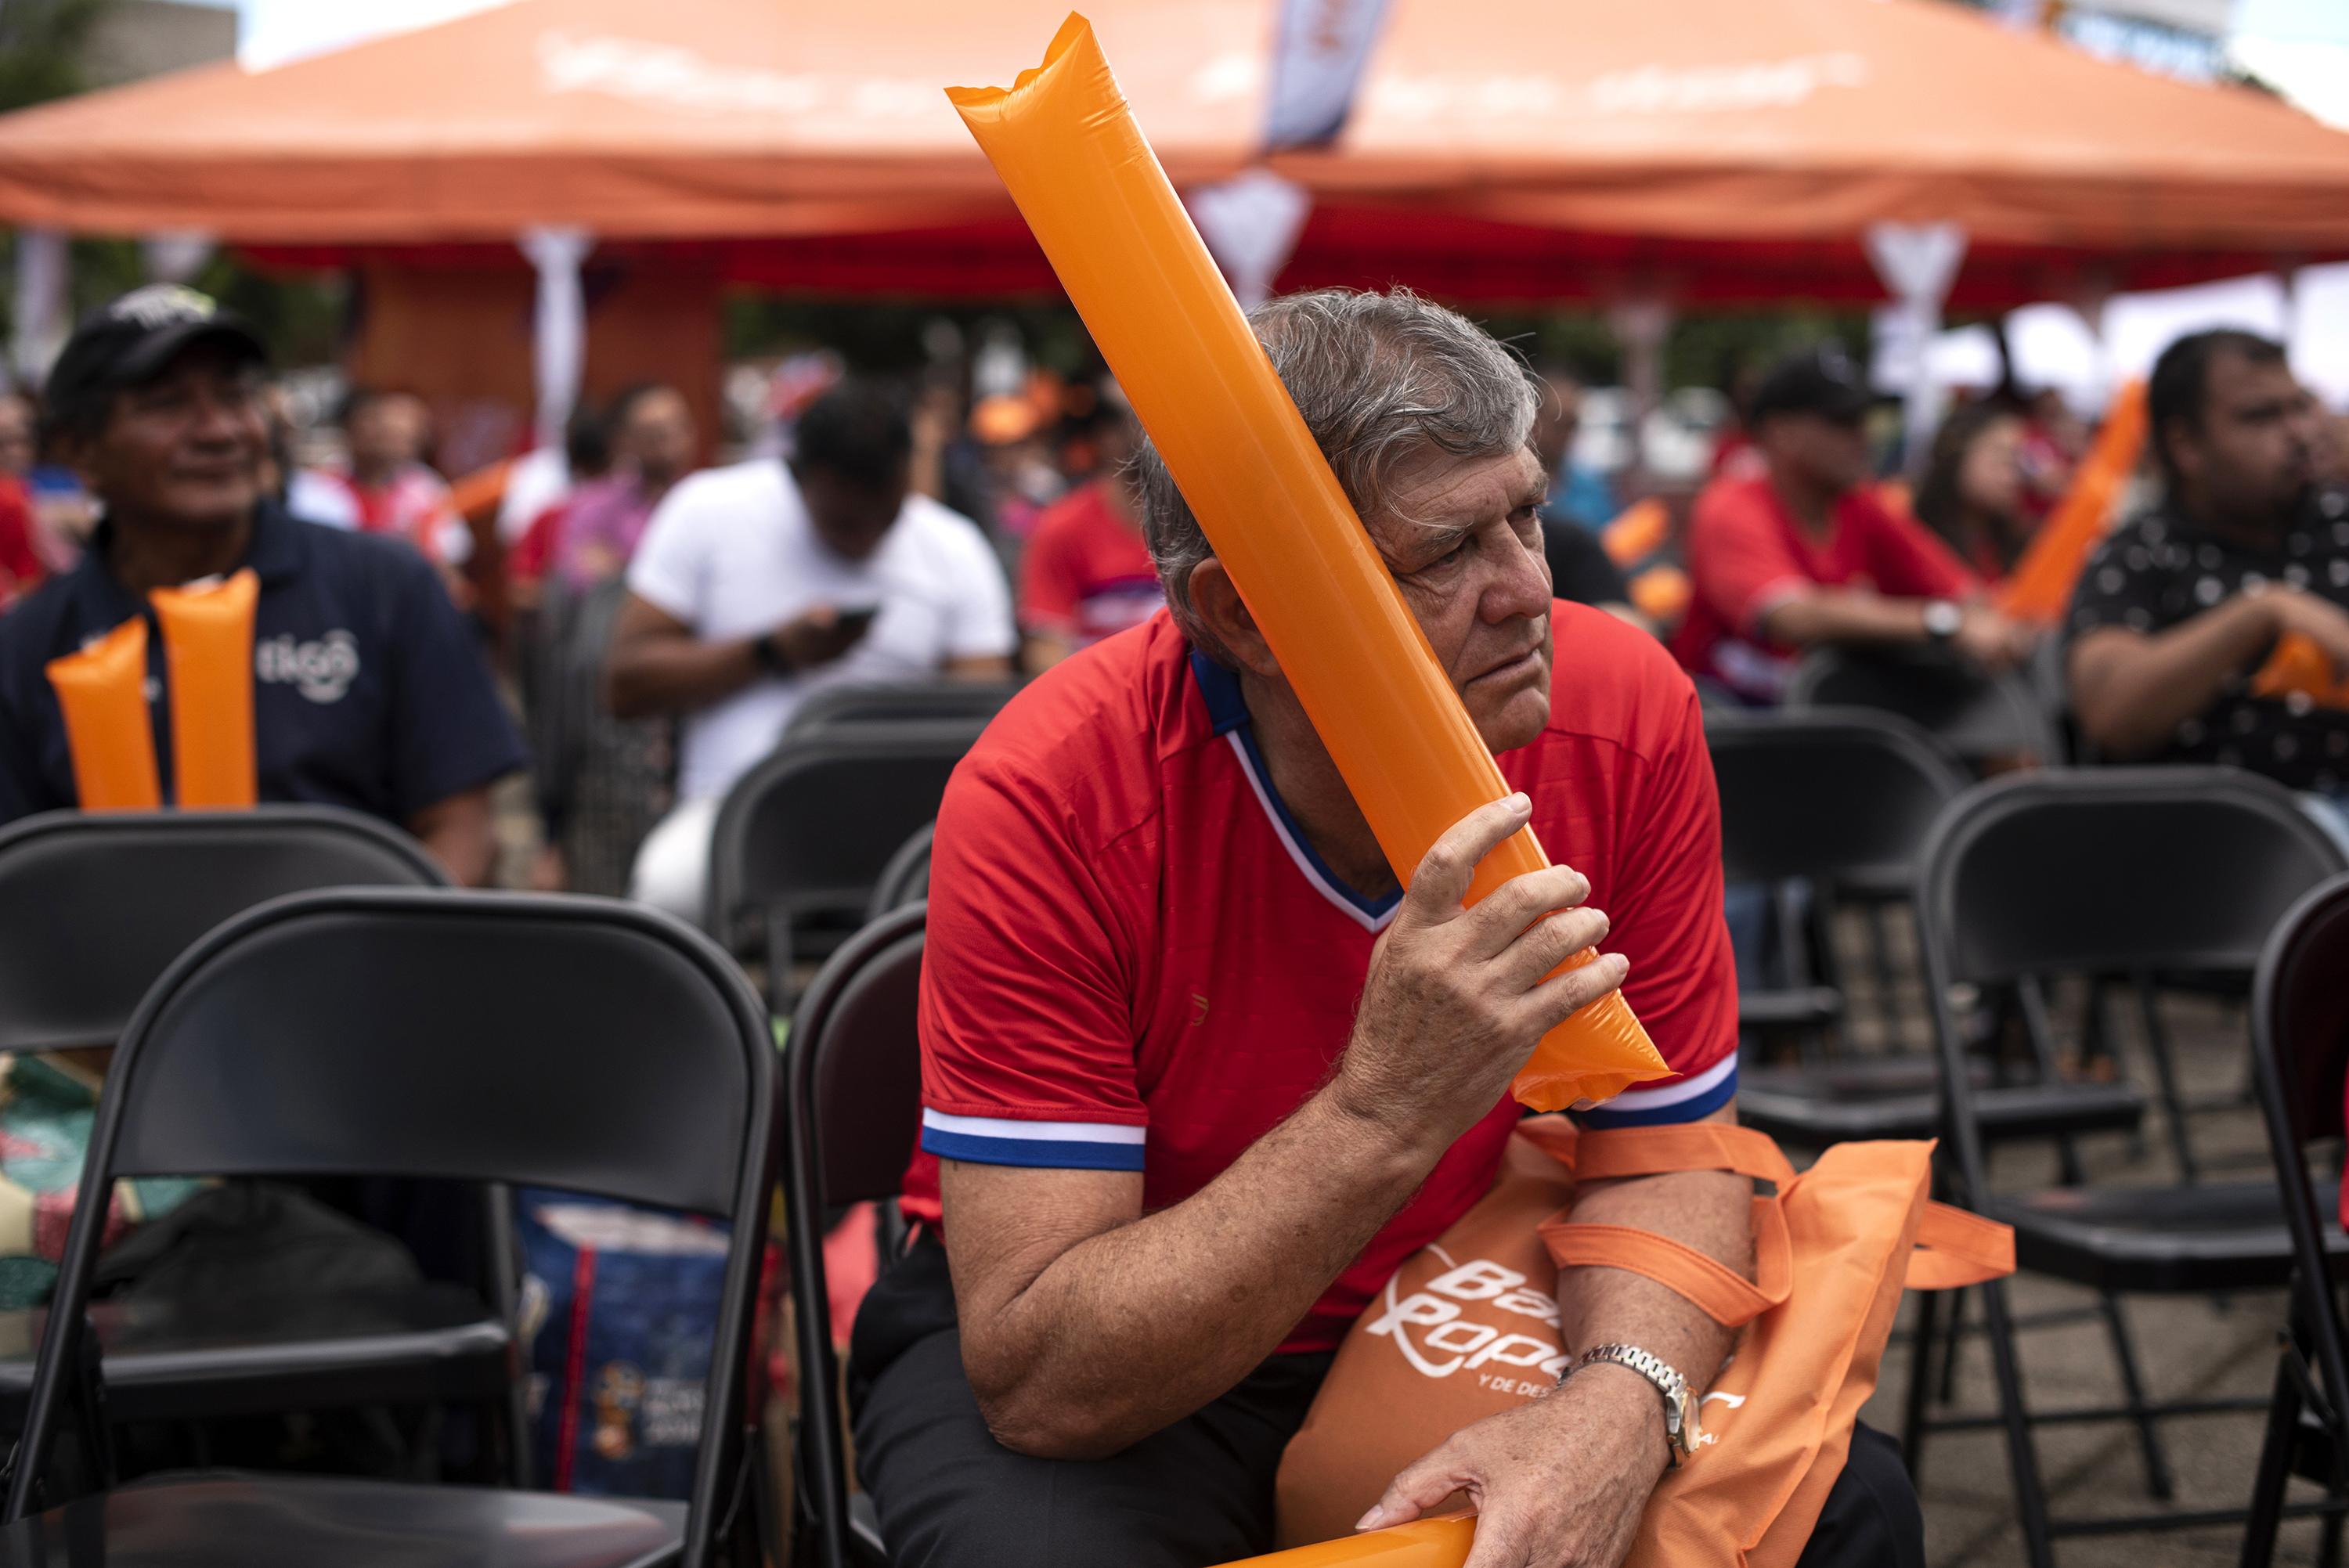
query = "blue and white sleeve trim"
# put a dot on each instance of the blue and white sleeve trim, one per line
(1003, 1141)
(1690, 1098)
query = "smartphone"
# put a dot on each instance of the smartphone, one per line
(856, 622)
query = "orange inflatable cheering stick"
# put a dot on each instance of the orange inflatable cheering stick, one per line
(1067, 146)
(1439, 1542)
(102, 693)
(208, 645)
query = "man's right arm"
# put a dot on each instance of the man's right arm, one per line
(2131, 690)
(658, 666)
(1088, 1325)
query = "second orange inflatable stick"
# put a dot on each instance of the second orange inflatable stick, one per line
(208, 647)
(1067, 146)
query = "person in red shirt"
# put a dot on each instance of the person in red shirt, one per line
(1198, 1073)
(1802, 554)
(1086, 573)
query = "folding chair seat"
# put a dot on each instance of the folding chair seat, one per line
(573, 1043)
(2049, 874)
(803, 838)
(93, 908)
(2218, 1236)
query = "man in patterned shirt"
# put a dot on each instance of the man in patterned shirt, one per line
(2178, 609)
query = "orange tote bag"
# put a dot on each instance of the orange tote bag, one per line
(1442, 1346)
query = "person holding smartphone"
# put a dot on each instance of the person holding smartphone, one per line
(759, 584)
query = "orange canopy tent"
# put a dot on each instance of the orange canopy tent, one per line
(1713, 150)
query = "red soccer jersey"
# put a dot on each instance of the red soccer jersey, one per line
(1745, 554)
(1137, 963)
(1086, 575)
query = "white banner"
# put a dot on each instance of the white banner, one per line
(44, 266)
(560, 329)
(1319, 50)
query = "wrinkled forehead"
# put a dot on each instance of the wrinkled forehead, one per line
(1431, 489)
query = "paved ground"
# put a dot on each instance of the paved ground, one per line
(2191, 1348)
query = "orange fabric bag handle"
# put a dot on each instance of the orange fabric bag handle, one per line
(208, 645)
(1722, 1293)
(1955, 1248)
(102, 693)
(1719, 1291)
(1067, 147)
(2041, 584)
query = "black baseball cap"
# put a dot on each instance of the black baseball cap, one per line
(1822, 381)
(133, 340)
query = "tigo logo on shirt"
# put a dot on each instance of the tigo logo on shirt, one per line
(321, 670)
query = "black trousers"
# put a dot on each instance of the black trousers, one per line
(1198, 1493)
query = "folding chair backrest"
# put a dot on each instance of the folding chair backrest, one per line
(95, 905)
(2115, 870)
(923, 702)
(907, 878)
(574, 1043)
(853, 1089)
(854, 1071)
(1973, 715)
(810, 829)
(2299, 1013)
(1828, 792)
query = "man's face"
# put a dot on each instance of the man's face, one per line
(386, 432)
(1817, 451)
(2252, 455)
(184, 450)
(851, 519)
(1470, 567)
(16, 436)
(658, 436)
(1556, 422)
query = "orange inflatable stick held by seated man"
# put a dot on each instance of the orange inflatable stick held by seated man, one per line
(1443, 1541)
(102, 693)
(208, 647)
(1067, 146)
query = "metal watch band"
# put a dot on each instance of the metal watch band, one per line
(1680, 1406)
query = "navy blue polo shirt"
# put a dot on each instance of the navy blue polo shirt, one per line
(369, 689)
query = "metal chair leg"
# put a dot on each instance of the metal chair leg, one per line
(2158, 1478)
(1920, 1381)
(2274, 1472)
(1957, 1336)
(2328, 1543)
(1887, 1001)
(2023, 1454)
(2165, 1070)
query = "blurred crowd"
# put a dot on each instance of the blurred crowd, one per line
(657, 619)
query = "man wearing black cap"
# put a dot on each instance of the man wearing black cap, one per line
(368, 691)
(1802, 554)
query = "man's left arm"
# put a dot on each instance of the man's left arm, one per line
(450, 736)
(1563, 1480)
(980, 638)
(461, 833)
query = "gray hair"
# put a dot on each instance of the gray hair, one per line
(1381, 378)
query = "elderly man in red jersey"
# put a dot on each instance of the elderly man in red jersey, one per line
(1199, 1072)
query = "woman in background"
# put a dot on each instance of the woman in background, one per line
(1973, 494)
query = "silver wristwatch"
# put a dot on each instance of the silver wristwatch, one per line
(1943, 620)
(1680, 1399)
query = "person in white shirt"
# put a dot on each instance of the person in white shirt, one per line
(760, 583)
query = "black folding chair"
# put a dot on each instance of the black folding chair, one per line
(919, 702)
(1983, 718)
(573, 1043)
(2091, 872)
(802, 838)
(1845, 799)
(907, 878)
(2300, 1039)
(94, 907)
(853, 1089)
